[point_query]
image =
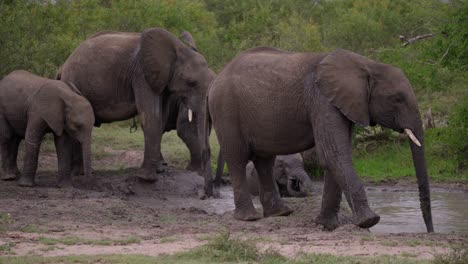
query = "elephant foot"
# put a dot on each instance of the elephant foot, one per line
(279, 210)
(149, 175)
(77, 171)
(87, 183)
(366, 219)
(193, 167)
(329, 223)
(26, 182)
(64, 183)
(9, 176)
(247, 214)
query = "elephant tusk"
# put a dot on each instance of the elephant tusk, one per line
(412, 137)
(190, 113)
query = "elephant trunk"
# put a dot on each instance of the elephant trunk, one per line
(87, 167)
(419, 161)
(305, 180)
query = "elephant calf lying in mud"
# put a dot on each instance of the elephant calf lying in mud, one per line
(289, 174)
(30, 107)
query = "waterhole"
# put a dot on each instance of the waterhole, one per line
(398, 208)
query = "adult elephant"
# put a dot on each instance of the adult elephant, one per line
(269, 102)
(152, 74)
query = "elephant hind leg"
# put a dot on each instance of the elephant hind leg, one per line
(270, 198)
(236, 156)
(9, 153)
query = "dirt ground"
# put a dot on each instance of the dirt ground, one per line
(127, 216)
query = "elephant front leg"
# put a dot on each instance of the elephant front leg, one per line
(333, 140)
(331, 199)
(30, 163)
(149, 105)
(270, 198)
(64, 148)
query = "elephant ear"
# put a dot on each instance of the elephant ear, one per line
(50, 107)
(158, 54)
(343, 78)
(188, 39)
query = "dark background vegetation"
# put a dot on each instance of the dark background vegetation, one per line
(39, 35)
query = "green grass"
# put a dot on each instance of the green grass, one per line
(391, 159)
(5, 221)
(72, 240)
(6, 247)
(221, 249)
(31, 229)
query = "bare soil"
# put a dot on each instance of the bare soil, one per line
(168, 216)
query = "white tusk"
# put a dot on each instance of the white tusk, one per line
(412, 137)
(190, 113)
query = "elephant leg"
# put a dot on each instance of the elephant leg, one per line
(9, 152)
(35, 132)
(219, 170)
(270, 198)
(76, 157)
(331, 199)
(333, 140)
(63, 146)
(161, 158)
(149, 106)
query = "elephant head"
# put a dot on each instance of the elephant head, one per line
(174, 69)
(62, 108)
(369, 93)
(289, 170)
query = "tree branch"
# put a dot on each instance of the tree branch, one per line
(406, 41)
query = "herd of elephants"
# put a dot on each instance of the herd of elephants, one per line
(265, 102)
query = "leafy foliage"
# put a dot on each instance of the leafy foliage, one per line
(38, 36)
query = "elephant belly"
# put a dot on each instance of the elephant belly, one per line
(115, 112)
(282, 139)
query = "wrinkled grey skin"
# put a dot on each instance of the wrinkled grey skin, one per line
(31, 106)
(289, 175)
(269, 102)
(152, 74)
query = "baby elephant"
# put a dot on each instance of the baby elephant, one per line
(290, 176)
(31, 106)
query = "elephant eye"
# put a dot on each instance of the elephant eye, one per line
(397, 99)
(192, 83)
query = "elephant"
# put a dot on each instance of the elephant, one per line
(153, 75)
(289, 175)
(288, 172)
(30, 107)
(268, 102)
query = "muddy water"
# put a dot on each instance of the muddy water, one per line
(398, 208)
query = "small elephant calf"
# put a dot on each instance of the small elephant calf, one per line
(30, 107)
(289, 174)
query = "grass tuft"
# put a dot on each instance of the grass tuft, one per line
(455, 256)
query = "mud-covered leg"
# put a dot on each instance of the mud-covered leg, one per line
(270, 198)
(64, 159)
(331, 199)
